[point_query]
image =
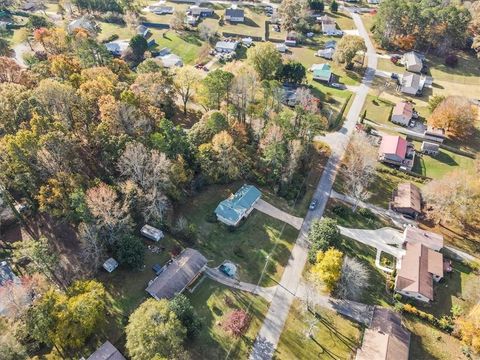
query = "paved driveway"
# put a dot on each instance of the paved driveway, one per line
(265, 207)
(384, 239)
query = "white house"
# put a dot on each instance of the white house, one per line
(328, 24)
(226, 46)
(402, 113)
(412, 84)
(413, 62)
(117, 47)
(326, 53)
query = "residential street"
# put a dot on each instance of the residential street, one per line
(269, 335)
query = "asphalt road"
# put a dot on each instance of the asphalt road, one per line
(269, 335)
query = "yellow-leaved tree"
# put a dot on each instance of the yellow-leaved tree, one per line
(468, 328)
(328, 268)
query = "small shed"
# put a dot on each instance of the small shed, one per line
(430, 148)
(152, 233)
(110, 265)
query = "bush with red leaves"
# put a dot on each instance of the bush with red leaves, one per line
(236, 323)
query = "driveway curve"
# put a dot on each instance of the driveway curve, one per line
(266, 208)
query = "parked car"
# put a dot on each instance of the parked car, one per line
(337, 86)
(395, 58)
(313, 204)
(412, 123)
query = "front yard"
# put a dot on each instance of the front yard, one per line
(332, 336)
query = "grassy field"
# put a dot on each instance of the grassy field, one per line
(248, 245)
(333, 336)
(438, 166)
(353, 219)
(210, 304)
(378, 110)
(254, 24)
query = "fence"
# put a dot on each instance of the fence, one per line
(235, 35)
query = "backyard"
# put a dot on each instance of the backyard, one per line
(332, 336)
(248, 245)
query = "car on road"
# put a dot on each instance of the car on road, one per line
(313, 204)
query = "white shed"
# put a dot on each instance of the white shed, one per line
(110, 265)
(152, 233)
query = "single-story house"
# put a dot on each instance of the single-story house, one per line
(415, 235)
(9, 282)
(419, 267)
(412, 84)
(107, 352)
(161, 10)
(413, 62)
(326, 53)
(281, 48)
(289, 95)
(171, 60)
(328, 24)
(117, 47)
(430, 148)
(143, 31)
(177, 274)
(322, 72)
(402, 113)
(200, 11)
(235, 14)
(407, 199)
(386, 338)
(226, 46)
(110, 265)
(291, 39)
(435, 134)
(86, 23)
(238, 206)
(151, 232)
(396, 150)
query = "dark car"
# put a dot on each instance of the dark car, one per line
(394, 76)
(313, 204)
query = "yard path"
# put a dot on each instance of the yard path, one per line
(396, 218)
(266, 293)
(19, 50)
(269, 335)
(381, 239)
(266, 208)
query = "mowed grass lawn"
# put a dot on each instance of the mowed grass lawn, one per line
(378, 110)
(213, 302)
(333, 336)
(254, 24)
(248, 245)
(445, 162)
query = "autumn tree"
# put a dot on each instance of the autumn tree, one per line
(265, 59)
(10, 347)
(358, 167)
(94, 250)
(290, 11)
(322, 234)
(185, 81)
(456, 115)
(154, 330)
(347, 49)
(4, 47)
(236, 322)
(177, 22)
(11, 97)
(455, 198)
(327, 268)
(468, 328)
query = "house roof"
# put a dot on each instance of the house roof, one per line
(403, 108)
(177, 274)
(325, 19)
(430, 239)
(386, 339)
(417, 267)
(408, 195)
(322, 71)
(6, 274)
(235, 12)
(106, 352)
(236, 205)
(227, 45)
(85, 22)
(426, 145)
(411, 58)
(392, 144)
(171, 60)
(411, 80)
(435, 131)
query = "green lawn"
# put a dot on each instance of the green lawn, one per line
(353, 219)
(254, 24)
(248, 245)
(333, 336)
(440, 165)
(210, 304)
(378, 110)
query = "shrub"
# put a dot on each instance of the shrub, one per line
(340, 210)
(130, 251)
(366, 213)
(237, 323)
(451, 60)
(211, 218)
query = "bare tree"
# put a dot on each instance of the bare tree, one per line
(206, 32)
(353, 280)
(93, 247)
(359, 167)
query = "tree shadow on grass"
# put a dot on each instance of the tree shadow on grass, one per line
(446, 159)
(191, 39)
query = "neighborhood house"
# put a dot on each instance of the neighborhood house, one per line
(177, 274)
(435, 134)
(117, 47)
(171, 60)
(291, 39)
(328, 25)
(407, 200)
(201, 12)
(395, 150)
(226, 46)
(326, 53)
(386, 338)
(412, 84)
(238, 206)
(107, 352)
(235, 14)
(402, 113)
(420, 266)
(413, 62)
(84, 23)
(322, 72)
(430, 148)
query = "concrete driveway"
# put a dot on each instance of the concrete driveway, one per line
(275, 212)
(384, 239)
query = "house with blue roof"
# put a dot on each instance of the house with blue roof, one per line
(322, 72)
(238, 206)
